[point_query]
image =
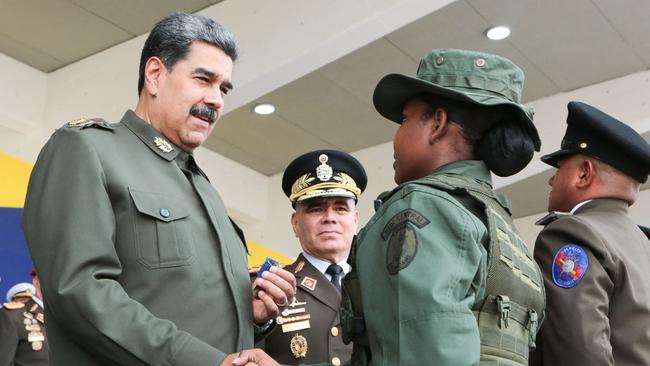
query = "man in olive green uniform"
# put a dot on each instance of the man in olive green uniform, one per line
(22, 328)
(323, 187)
(593, 257)
(139, 261)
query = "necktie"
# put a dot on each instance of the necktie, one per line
(335, 271)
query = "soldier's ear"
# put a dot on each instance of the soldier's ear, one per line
(154, 69)
(294, 224)
(439, 119)
(586, 173)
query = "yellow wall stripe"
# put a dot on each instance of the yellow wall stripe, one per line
(14, 176)
(259, 254)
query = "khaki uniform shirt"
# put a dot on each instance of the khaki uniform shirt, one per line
(604, 319)
(321, 339)
(138, 260)
(22, 335)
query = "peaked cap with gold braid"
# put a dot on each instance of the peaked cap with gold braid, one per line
(324, 173)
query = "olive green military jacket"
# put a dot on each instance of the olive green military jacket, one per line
(138, 260)
(604, 318)
(318, 300)
(22, 335)
(421, 263)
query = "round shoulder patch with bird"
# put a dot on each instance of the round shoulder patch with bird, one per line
(569, 265)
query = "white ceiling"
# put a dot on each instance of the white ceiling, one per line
(49, 34)
(561, 45)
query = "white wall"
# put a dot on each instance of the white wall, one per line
(22, 101)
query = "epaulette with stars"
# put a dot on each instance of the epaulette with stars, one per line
(83, 123)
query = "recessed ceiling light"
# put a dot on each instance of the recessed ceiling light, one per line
(264, 108)
(498, 33)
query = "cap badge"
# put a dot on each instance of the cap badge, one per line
(583, 145)
(299, 346)
(569, 265)
(163, 145)
(323, 171)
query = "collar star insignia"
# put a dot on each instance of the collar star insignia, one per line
(163, 145)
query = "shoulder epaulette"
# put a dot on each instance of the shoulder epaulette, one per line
(13, 305)
(552, 216)
(82, 123)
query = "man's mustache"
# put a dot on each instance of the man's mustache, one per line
(205, 113)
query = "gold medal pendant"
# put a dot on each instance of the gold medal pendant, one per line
(299, 346)
(37, 345)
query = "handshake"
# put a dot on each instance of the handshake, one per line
(249, 357)
(273, 290)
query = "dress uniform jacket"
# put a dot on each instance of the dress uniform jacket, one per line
(16, 346)
(139, 262)
(604, 319)
(323, 337)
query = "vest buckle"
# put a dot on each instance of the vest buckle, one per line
(532, 327)
(503, 306)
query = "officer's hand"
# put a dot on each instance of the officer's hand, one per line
(272, 293)
(253, 357)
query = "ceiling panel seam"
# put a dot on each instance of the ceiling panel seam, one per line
(401, 50)
(620, 35)
(104, 19)
(219, 139)
(300, 127)
(31, 48)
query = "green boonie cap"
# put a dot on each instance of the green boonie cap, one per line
(466, 76)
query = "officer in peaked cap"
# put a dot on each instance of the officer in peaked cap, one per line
(22, 327)
(593, 257)
(323, 186)
(324, 173)
(421, 261)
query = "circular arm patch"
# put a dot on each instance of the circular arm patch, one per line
(569, 265)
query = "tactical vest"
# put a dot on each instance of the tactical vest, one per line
(511, 311)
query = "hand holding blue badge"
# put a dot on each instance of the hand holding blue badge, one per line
(268, 263)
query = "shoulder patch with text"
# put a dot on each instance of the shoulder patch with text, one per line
(403, 243)
(569, 265)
